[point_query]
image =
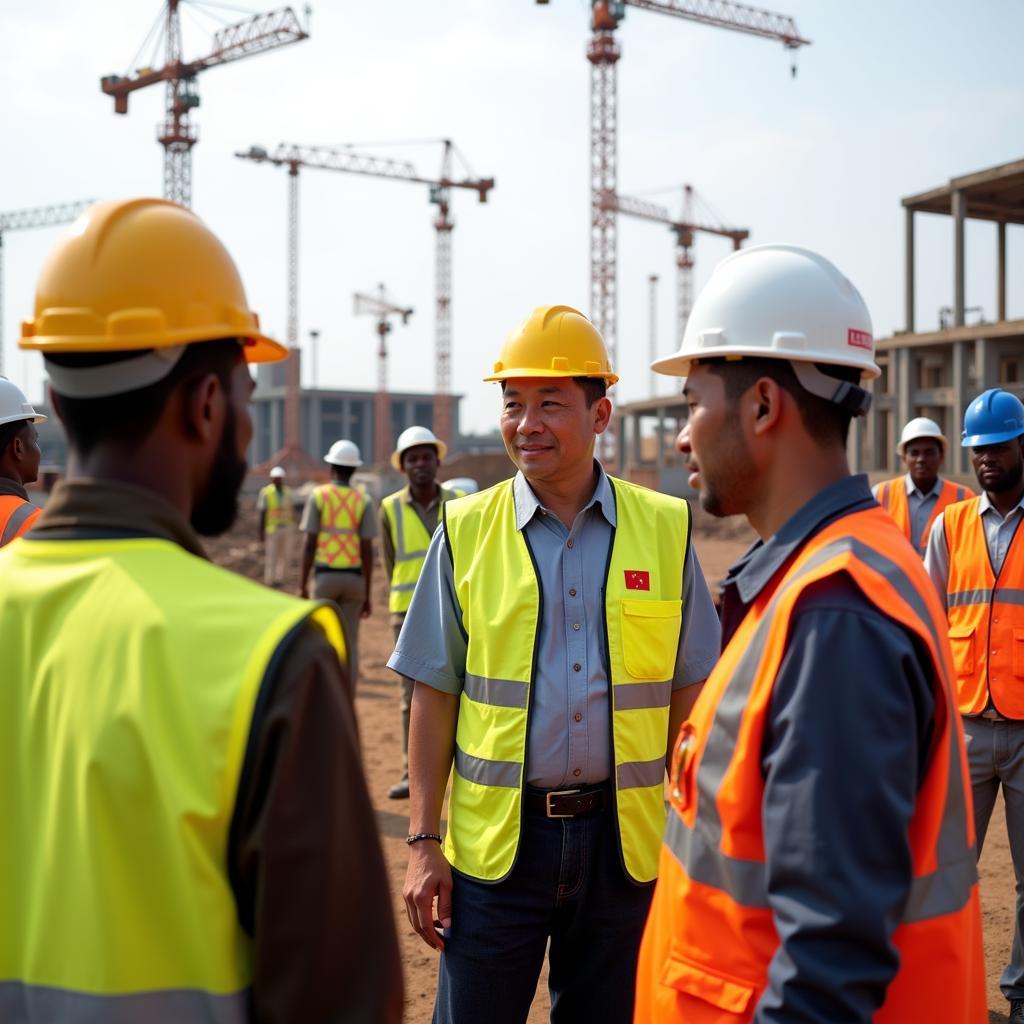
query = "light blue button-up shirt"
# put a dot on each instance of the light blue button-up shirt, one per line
(920, 506)
(569, 740)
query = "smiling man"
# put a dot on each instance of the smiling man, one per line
(558, 637)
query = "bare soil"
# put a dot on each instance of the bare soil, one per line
(718, 543)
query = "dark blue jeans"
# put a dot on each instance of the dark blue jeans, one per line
(568, 886)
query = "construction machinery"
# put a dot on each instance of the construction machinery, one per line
(177, 134)
(383, 308)
(37, 217)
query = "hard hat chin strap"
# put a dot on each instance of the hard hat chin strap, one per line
(851, 397)
(110, 379)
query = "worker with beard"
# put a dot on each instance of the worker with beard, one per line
(179, 764)
(976, 560)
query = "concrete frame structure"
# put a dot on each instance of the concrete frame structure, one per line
(648, 431)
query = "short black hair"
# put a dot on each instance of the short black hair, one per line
(8, 432)
(823, 420)
(594, 388)
(130, 418)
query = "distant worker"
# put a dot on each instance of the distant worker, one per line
(818, 858)
(179, 766)
(559, 635)
(339, 524)
(976, 560)
(277, 521)
(408, 519)
(19, 461)
(914, 500)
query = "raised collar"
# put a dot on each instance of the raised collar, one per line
(985, 505)
(528, 505)
(12, 488)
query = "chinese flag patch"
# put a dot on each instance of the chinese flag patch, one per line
(637, 579)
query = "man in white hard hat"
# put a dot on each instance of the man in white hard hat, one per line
(408, 519)
(340, 524)
(817, 860)
(276, 507)
(559, 634)
(916, 499)
(19, 461)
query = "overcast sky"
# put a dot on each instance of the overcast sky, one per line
(891, 99)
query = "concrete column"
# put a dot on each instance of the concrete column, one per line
(955, 457)
(959, 211)
(1001, 271)
(659, 447)
(908, 273)
(854, 444)
(904, 389)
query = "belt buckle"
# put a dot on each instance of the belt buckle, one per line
(558, 792)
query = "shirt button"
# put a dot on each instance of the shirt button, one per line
(578, 717)
(568, 543)
(576, 626)
(577, 667)
(577, 772)
(572, 591)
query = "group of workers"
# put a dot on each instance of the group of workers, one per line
(188, 835)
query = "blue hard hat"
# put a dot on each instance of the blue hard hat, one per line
(993, 417)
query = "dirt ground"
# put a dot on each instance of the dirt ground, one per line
(718, 544)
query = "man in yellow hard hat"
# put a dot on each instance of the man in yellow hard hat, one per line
(179, 767)
(558, 636)
(19, 461)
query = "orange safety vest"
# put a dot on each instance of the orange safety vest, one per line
(892, 496)
(711, 933)
(986, 615)
(16, 517)
(341, 511)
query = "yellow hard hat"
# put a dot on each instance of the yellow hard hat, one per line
(141, 274)
(554, 341)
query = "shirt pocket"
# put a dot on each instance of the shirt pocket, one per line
(961, 643)
(1018, 652)
(650, 638)
(695, 981)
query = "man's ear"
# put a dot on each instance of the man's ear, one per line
(764, 400)
(203, 407)
(602, 415)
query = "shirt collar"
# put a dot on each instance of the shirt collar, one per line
(12, 488)
(753, 571)
(528, 505)
(985, 505)
(442, 494)
(912, 487)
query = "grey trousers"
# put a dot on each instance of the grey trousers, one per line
(348, 591)
(995, 754)
(405, 701)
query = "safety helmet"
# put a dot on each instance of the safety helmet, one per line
(15, 406)
(412, 436)
(138, 274)
(919, 428)
(462, 485)
(993, 417)
(554, 341)
(344, 453)
(278, 473)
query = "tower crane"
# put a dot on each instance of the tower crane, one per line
(37, 217)
(342, 158)
(383, 308)
(255, 34)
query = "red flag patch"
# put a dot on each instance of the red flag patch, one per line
(637, 579)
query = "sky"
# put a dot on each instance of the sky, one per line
(889, 100)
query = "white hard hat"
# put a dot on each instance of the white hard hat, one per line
(465, 484)
(412, 436)
(277, 472)
(14, 405)
(921, 427)
(343, 453)
(780, 301)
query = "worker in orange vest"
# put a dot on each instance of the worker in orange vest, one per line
(19, 461)
(916, 499)
(818, 859)
(976, 560)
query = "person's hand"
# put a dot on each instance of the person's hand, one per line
(428, 877)
(364, 612)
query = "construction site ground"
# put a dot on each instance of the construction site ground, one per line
(718, 544)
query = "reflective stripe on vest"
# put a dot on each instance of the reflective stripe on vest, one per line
(341, 511)
(279, 509)
(131, 673)
(410, 540)
(986, 615)
(711, 934)
(16, 517)
(892, 496)
(498, 588)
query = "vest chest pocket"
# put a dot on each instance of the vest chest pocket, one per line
(961, 643)
(650, 638)
(731, 995)
(1018, 652)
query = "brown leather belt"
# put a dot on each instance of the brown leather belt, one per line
(566, 803)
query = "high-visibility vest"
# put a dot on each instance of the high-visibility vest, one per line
(892, 496)
(131, 671)
(341, 511)
(498, 589)
(986, 615)
(278, 508)
(410, 540)
(16, 517)
(711, 935)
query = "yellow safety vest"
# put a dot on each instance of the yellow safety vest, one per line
(130, 673)
(410, 540)
(498, 588)
(279, 509)
(341, 511)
